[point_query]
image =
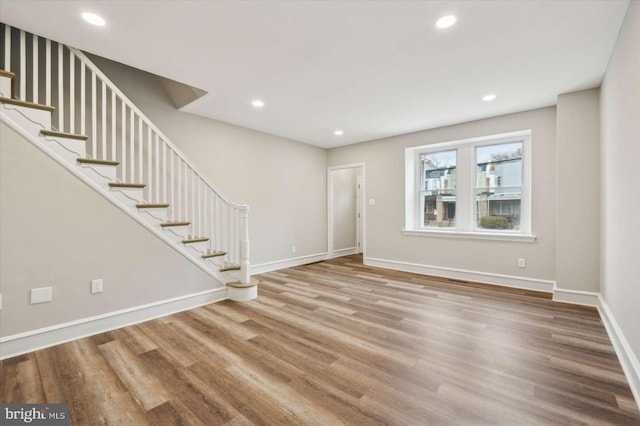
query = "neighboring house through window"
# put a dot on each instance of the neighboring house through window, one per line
(476, 187)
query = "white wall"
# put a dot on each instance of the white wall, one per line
(57, 231)
(578, 191)
(620, 174)
(385, 182)
(283, 181)
(345, 207)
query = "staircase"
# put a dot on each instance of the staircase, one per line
(61, 102)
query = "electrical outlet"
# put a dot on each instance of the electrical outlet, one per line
(521, 263)
(0, 300)
(293, 249)
(96, 286)
(41, 295)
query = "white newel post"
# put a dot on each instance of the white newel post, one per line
(245, 275)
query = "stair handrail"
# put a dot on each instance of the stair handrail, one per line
(112, 86)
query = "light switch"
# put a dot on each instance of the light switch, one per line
(372, 201)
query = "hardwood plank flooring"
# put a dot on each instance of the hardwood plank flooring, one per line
(337, 342)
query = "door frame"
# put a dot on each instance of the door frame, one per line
(361, 202)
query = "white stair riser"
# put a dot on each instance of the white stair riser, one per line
(153, 216)
(101, 172)
(242, 294)
(177, 234)
(216, 262)
(38, 119)
(68, 149)
(128, 196)
(5, 87)
(180, 232)
(197, 249)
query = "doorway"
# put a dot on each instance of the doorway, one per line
(346, 214)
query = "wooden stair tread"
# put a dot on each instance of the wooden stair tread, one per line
(99, 162)
(195, 240)
(8, 74)
(230, 267)
(63, 134)
(18, 102)
(169, 224)
(152, 206)
(126, 185)
(214, 254)
(237, 284)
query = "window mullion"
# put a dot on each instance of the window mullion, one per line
(464, 196)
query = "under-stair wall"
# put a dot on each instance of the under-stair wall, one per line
(58, 232)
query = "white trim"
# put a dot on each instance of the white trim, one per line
(465, 275)
(77, 171)
(577, 297)
(287, 263)
(515, 238)
(345, 251)
(628, 360)
(29, 341)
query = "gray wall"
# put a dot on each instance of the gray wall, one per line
(578, 191)
(620, 140)
(57, 231)
(283, 181)
(385, 182)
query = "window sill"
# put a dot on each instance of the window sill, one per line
(516, 238)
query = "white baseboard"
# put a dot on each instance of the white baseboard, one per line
(627, 358)
(287, 263)
(41, 338)
(345, 251)
(577, 297)
(465, 275)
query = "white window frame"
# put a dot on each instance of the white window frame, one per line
(465, 220)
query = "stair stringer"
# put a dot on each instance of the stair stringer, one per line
(29, 128)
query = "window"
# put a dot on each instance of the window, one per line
(472, 188)
(438, 189)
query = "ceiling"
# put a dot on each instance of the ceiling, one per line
(372, 69)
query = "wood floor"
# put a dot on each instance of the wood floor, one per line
(339, 343)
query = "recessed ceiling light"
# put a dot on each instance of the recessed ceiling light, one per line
(338, 133)
(94, 19)
(446, 21)
(489, 97)
(257, 103)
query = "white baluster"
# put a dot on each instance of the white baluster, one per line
(123, 150)
(72, 92)
(150, 183)
(113, 126)
(218, 228)
(94, 117)
(47, 71)
(23, 67)
(172, 183)
(60, 106)
(103, 124)
(157, 161)
(164, 171)
(34, 38)
(178, 184)
(83, 99)
(140, 154)
(132, 140)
